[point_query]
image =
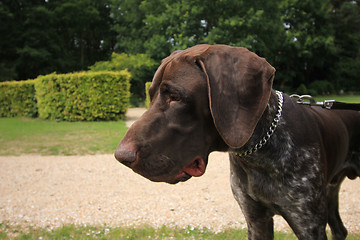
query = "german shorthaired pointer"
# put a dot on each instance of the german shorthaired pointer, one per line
(285, 158)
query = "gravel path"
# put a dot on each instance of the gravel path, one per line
(49, 191)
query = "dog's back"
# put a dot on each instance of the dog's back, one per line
(351, 119)
(340, 133)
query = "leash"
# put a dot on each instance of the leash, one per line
(304, 99)
(328, 104)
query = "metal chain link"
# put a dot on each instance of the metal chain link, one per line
(309, 100)
(271, 130)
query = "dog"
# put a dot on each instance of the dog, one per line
(285, 158)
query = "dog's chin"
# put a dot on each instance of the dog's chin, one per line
(182, 177)
(196, 168)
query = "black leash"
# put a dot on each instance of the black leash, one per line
(328, 104)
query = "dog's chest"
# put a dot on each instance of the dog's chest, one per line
(287, 174)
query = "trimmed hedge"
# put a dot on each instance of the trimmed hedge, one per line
(147, 100)
(17, 99)
(83, 96)
(141, 67)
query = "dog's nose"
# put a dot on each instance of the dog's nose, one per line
(125, 156)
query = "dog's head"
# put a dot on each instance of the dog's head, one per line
(205, 98)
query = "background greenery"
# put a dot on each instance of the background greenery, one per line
(139, 233)
(305, 40)
(18, 99)
(81, 96)
(35, 136)
(141, 66)
(89, 96)
(313, 44)
(147, 99)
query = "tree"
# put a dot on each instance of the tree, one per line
(308, 48)
(39, 51)
(43, 36)
(84, 30)
(129, 25)
(345, 18)
(163, 26)
(305, 40)
(11, 27)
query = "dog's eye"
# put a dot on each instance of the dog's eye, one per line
(174, 97)
(170, 94)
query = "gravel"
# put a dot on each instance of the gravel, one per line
(49, 191)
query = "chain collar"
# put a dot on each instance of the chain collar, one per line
(269, 133)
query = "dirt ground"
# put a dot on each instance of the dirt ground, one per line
(49, 191)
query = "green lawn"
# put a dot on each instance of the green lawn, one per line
(34, 136)
(138, 233)
(340, 98)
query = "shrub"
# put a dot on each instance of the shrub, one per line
(322, 87)
(301, 90)
(141, 67)
(17, 98)
(147, 100)
(84, 96)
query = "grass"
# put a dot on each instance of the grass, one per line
(145, 232)
(34, 136)
(139, 233)
(340, 98)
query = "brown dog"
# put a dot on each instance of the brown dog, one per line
(286, 158)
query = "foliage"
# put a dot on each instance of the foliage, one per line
(18, 99)
(345, 21)
(316, 88)
(305, 40)
(82, 96)
(308, 50)
(170, 25)
(302, 90)
(139, 233)
(147, 100)
(141, 67)
(39, 37)
(128, 24)
(36, 136)
(322, 87)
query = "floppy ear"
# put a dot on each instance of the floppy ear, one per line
(239, 87)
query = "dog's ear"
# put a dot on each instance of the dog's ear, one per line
(239, 87)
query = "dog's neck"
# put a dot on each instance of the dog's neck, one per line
(265, 126)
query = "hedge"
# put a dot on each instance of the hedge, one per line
(147, 99)
(141, 67)
(83, 96)
(17, 99)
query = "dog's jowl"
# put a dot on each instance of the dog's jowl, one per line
(285, 158)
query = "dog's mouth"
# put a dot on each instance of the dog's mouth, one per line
(195, 169)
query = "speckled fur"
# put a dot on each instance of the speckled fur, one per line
(288, 177)
(220, 98)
